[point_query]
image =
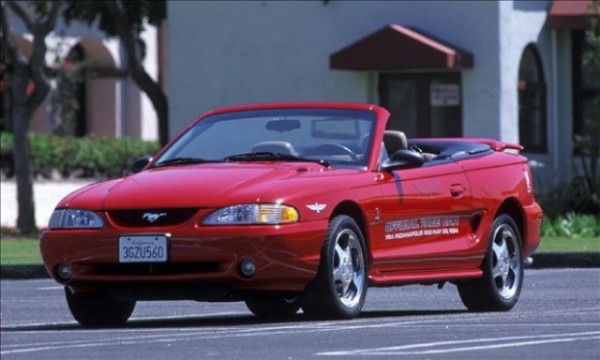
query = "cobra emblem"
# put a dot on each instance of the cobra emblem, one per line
(151, 217)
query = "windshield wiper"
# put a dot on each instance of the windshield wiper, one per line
(181, 161)
(272, 156)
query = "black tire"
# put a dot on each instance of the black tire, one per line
(274, 306)
(340, 287)
(500, 286)
(97, 309)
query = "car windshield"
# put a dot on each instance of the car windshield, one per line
(332, 137)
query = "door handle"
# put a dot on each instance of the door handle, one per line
(457, 190)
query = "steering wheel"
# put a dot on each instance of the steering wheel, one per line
(334, 149)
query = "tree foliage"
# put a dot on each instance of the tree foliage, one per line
(587, 145)
(138, 13)
(127, 20)
(26, 79)
(28, 86)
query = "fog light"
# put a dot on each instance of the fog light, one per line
(64, 271)
(247, 268)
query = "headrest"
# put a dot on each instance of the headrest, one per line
(394, 140)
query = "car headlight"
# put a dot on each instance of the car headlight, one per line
(248, 214)
(75, 219)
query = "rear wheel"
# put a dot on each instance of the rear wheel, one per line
(500, 286)
(274, 306)
(340, 287)
(97, 309)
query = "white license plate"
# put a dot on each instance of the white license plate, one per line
(142, 248)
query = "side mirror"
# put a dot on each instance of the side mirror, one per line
(404, 159)
(140, 163)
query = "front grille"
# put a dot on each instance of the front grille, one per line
(151, 217)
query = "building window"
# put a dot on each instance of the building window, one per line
(586, 89)
(532, 102)
(424, 104)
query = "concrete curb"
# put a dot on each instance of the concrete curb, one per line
(19, 272)
(540, 261)
(566, 260)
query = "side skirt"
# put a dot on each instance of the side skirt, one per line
(422, 277)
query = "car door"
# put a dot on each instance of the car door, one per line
(424, 219)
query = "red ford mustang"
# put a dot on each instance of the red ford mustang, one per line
(297, 205)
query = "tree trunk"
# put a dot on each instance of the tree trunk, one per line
(23, 173)
(21, 116)
(158, 99)
(134, 53)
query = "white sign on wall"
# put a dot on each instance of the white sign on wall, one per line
(445, 94)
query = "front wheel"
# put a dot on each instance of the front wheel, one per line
(97, 309)
(340, 287)
(500, 286)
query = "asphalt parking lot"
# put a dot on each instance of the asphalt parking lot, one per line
(557, 317)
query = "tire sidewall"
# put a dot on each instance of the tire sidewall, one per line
(338, 224)
(488, 265)
(98, 309)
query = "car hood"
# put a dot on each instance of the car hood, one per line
(204, 186)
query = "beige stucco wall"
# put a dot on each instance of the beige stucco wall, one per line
(225, 53)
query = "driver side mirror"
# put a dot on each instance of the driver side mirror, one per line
(139, 164)
(403, 159)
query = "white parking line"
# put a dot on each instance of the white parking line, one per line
(46, 288)
(444, 347)
(175, 335)
(161, 335)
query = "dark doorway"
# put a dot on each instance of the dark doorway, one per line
(423, 104)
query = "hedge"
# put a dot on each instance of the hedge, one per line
(96, 157)
(572, 225)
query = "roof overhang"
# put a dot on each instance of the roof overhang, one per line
(395, 47)
(573, 14)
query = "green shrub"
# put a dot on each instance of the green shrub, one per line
(6, 142)
(6, 157)
(572, 225)
(78, 157)
(65, 157)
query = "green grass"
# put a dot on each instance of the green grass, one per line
(20, 251)
(564, 244)
(16, 251)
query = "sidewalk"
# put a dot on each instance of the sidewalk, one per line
(46, 193)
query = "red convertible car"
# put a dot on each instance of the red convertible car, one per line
(297, 205)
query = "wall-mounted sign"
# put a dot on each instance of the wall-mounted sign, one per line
(445, 94)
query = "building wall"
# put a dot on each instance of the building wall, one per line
(148, 121)
(521, 23)
(226, 53)
(559, 166)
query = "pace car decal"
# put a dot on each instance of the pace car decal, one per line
(425, 226)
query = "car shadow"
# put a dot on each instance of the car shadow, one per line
(226, 321)
(408, 313)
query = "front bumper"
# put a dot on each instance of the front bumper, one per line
(200, 258)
